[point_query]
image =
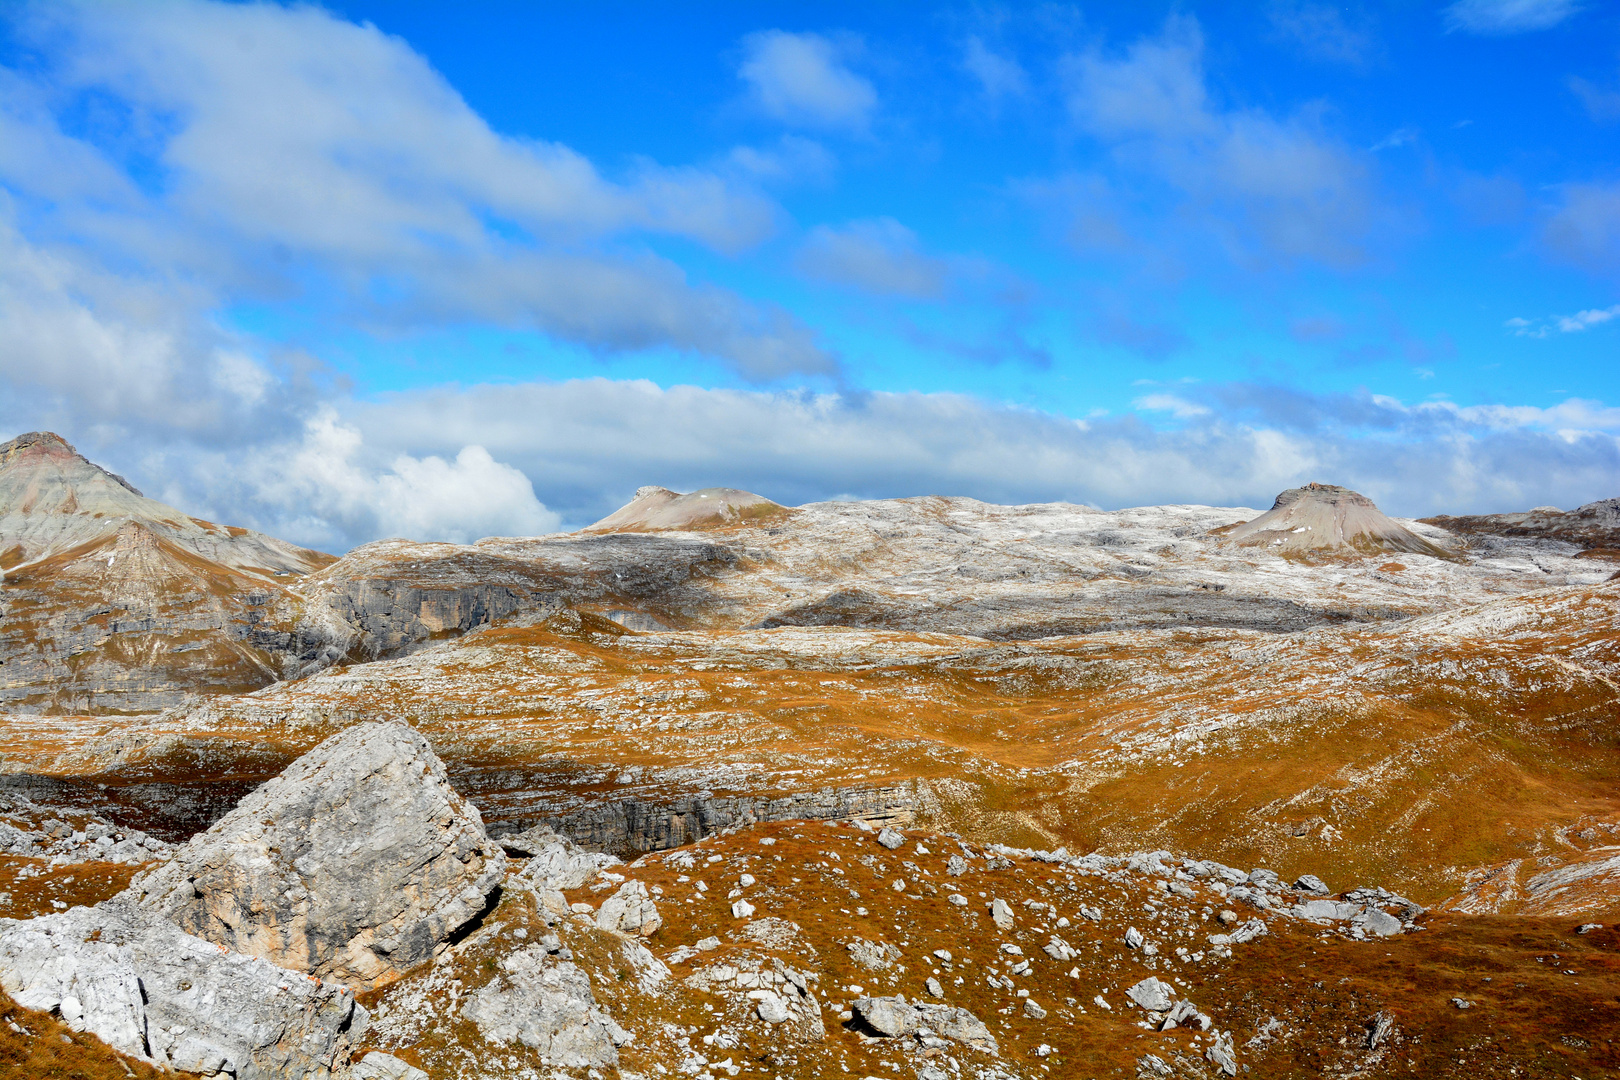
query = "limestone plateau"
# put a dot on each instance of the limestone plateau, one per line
(718, 787)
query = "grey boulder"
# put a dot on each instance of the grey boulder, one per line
(357, 863)
(630, 911)
(546, 1004)
(1152, 994)
(894, 1016)
(152, 991)
(555, 862)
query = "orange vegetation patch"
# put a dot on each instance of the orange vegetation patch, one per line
(27, 888)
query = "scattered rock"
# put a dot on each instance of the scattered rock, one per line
(933, 986)
(1462, 1003)
(892, 1017)
(1221, 1055)
(357, 863)
(742, 909)
(1379, 1029)
(1032, 1010)
(1133, 938)
(1374, 921)
(555, 862)
(1227, 917)
(1001, 913)
(773, 1010)
(956, 866)
(871, 955)
(890, 838)
(1587, 928)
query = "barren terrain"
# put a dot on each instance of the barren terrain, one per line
(1428, 707)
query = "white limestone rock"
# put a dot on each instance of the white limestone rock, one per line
(630, 911)
(357, 863)
(546, 1004)
(147, 989)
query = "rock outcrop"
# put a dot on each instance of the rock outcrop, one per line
(1596, 525)
(128, 976)
(357, 863)
(632, 825)
(1326, 517)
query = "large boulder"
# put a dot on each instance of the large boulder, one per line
(154, 992)
(357, 863)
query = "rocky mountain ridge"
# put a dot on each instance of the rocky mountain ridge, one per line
(676, 793)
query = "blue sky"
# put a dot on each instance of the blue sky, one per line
(445, 270)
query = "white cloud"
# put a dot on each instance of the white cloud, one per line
(1261, 188)
(1563, 324)
(590, 443)
(803, 79)
(1496, 17)
(1177, 407)
(1585, 320)
(288, 152)
(880, 256)
(323, 489)
(999, 76)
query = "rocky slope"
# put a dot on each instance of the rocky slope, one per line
(823, 949)
(110, 601)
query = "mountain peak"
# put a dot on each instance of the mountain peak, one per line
(53, 499)
(1327, 517)
(39, 447)
(655, 509)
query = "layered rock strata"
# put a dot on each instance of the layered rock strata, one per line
(626, 826)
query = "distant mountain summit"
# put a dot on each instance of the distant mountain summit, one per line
(53, 500)
(113, 601)
(658, 509)
(1326, 517)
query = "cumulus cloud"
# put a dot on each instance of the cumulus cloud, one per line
(329, 488)
(879, 256)
(1501, 17)
(287, 153)
(803, 79)
(1263, 188)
